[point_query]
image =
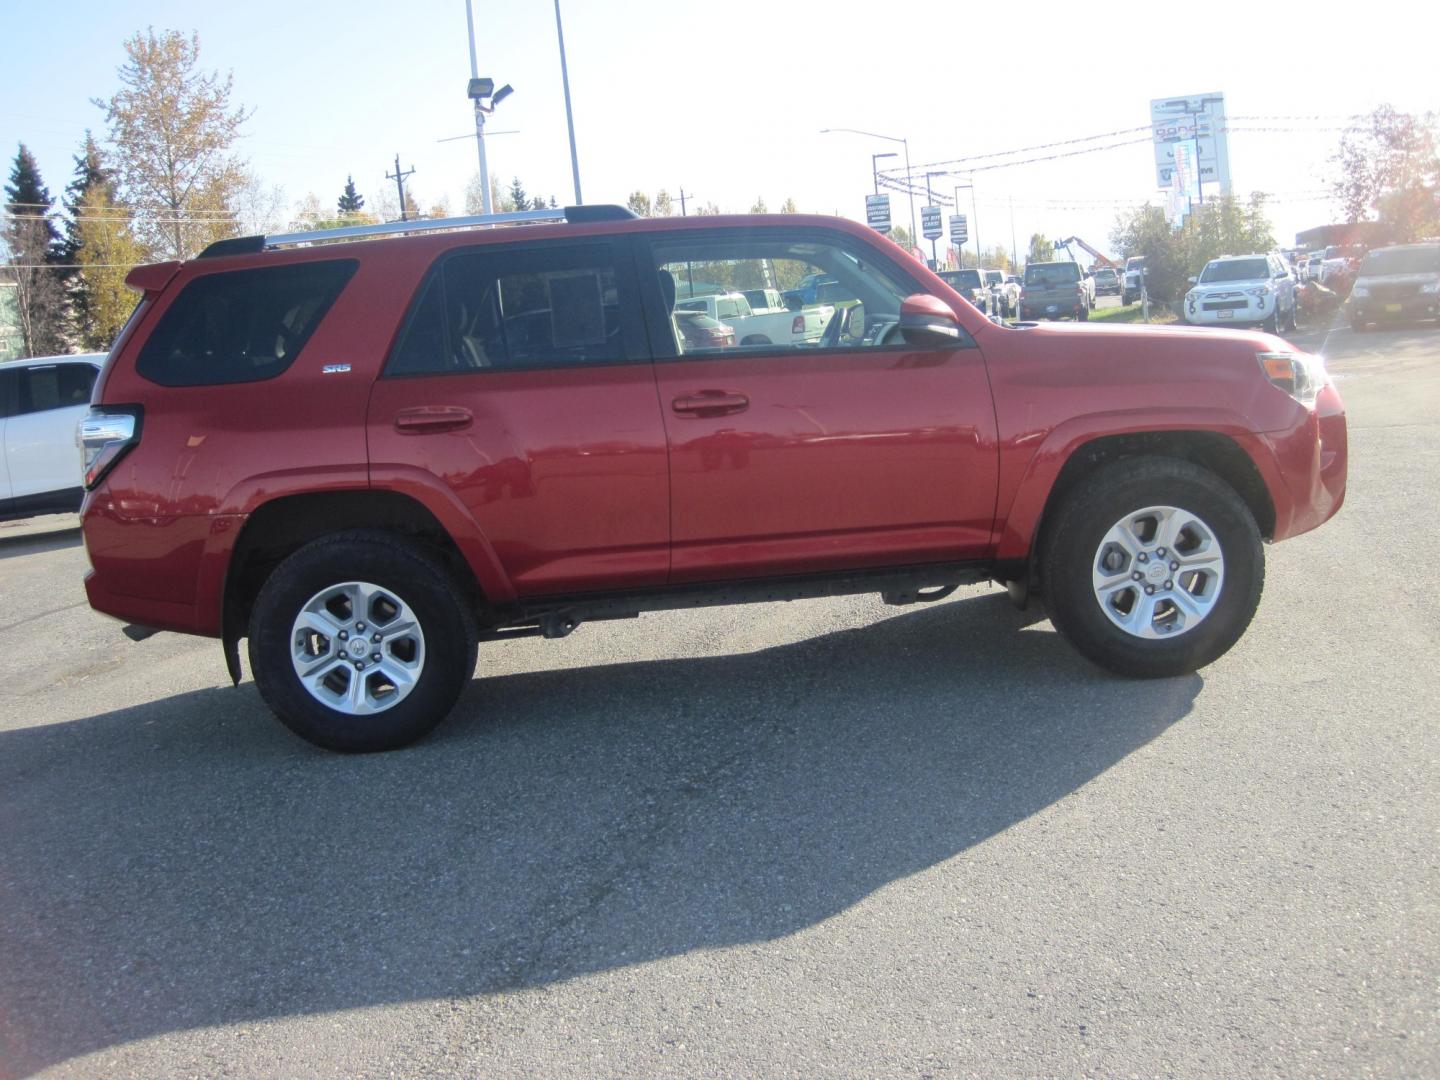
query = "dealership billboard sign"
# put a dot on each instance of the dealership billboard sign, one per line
(1196, 121)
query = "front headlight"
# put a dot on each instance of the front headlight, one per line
(1360, 292)
(1261, 292)
(1300, 375)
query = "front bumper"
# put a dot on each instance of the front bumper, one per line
(1312, 462)
(1369, 309)
(1246, 311)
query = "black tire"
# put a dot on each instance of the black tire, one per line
(756, 339)
(1072, 540)
(1084, 313)
(393, 564)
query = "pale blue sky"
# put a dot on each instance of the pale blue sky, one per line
(727, 100)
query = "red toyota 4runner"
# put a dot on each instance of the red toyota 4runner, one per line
(368, 456)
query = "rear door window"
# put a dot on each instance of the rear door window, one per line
(242, 325)
(549, 306)
(55, 386)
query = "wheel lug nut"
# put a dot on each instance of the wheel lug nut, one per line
(1142, 557)
(1174, 566)
(361, 626)
(359, 665)
(1136, 575)
(375, 657)
(1158, 551)
(1149, 590)
(1168, 585)
(344, 636)
(376, 639)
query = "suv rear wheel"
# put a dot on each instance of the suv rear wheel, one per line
(1152, 567)
(359, 642)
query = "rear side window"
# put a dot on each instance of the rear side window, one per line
(55, 386)
(480, 311)
(241, 326)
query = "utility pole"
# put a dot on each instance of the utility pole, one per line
(682, 202)
(399, 178)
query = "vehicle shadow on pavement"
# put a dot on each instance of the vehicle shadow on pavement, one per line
(187, 863)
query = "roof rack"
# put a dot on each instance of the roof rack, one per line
(250, 245)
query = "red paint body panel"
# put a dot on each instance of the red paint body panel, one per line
(839, 460)
(563, 472)
(578, 480)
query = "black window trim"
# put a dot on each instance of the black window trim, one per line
(633, 334)
(656, 322)
(319, 318)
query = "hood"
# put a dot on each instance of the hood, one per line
(1129, 335)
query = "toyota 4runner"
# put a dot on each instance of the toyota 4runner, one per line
(366, 455)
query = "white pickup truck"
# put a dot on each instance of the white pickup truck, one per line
(763, 326)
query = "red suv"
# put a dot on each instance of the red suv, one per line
(366, 457)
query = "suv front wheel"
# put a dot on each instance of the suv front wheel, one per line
(1152, 567)
(359, 642)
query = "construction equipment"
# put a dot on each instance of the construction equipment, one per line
(1100, 260)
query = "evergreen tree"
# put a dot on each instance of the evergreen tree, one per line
(351, 201)
(638, 204)
(519, 198)
(27, 196)
(89, 196)
(32, 244)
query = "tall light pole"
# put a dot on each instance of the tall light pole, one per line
(930, 201)
(889, 138)
(874, 171)
(974, 217)
(479, 116)
(569, 116)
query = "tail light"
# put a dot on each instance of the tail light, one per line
(104, 437)
(1079, 290)
(797, 325)
(1022, 294)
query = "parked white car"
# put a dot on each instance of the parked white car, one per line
(1249, 289)
(42, 401)
(770, 326)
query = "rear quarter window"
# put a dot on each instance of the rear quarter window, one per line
(241, 325)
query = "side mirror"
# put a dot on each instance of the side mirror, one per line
(1193, 280)
(928, 320)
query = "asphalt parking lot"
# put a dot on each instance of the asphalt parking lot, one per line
(824, 837)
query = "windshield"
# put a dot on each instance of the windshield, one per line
(1406, 260)
(1236, 270)
(1135, 262)
(1107, 274)
(1052, 274)
(962, 279)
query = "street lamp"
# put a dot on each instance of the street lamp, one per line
(887, 138)
(874, 171)
(569, 116)
(481, 90)
(930, 201)
(974, 221)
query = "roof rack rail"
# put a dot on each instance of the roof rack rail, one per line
(249, 245)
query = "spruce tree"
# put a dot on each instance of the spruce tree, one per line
(27, 196)
(351, 201)
(33, 244)
(90, 194)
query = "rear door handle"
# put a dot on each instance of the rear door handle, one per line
(430, 419)
(710, 403)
